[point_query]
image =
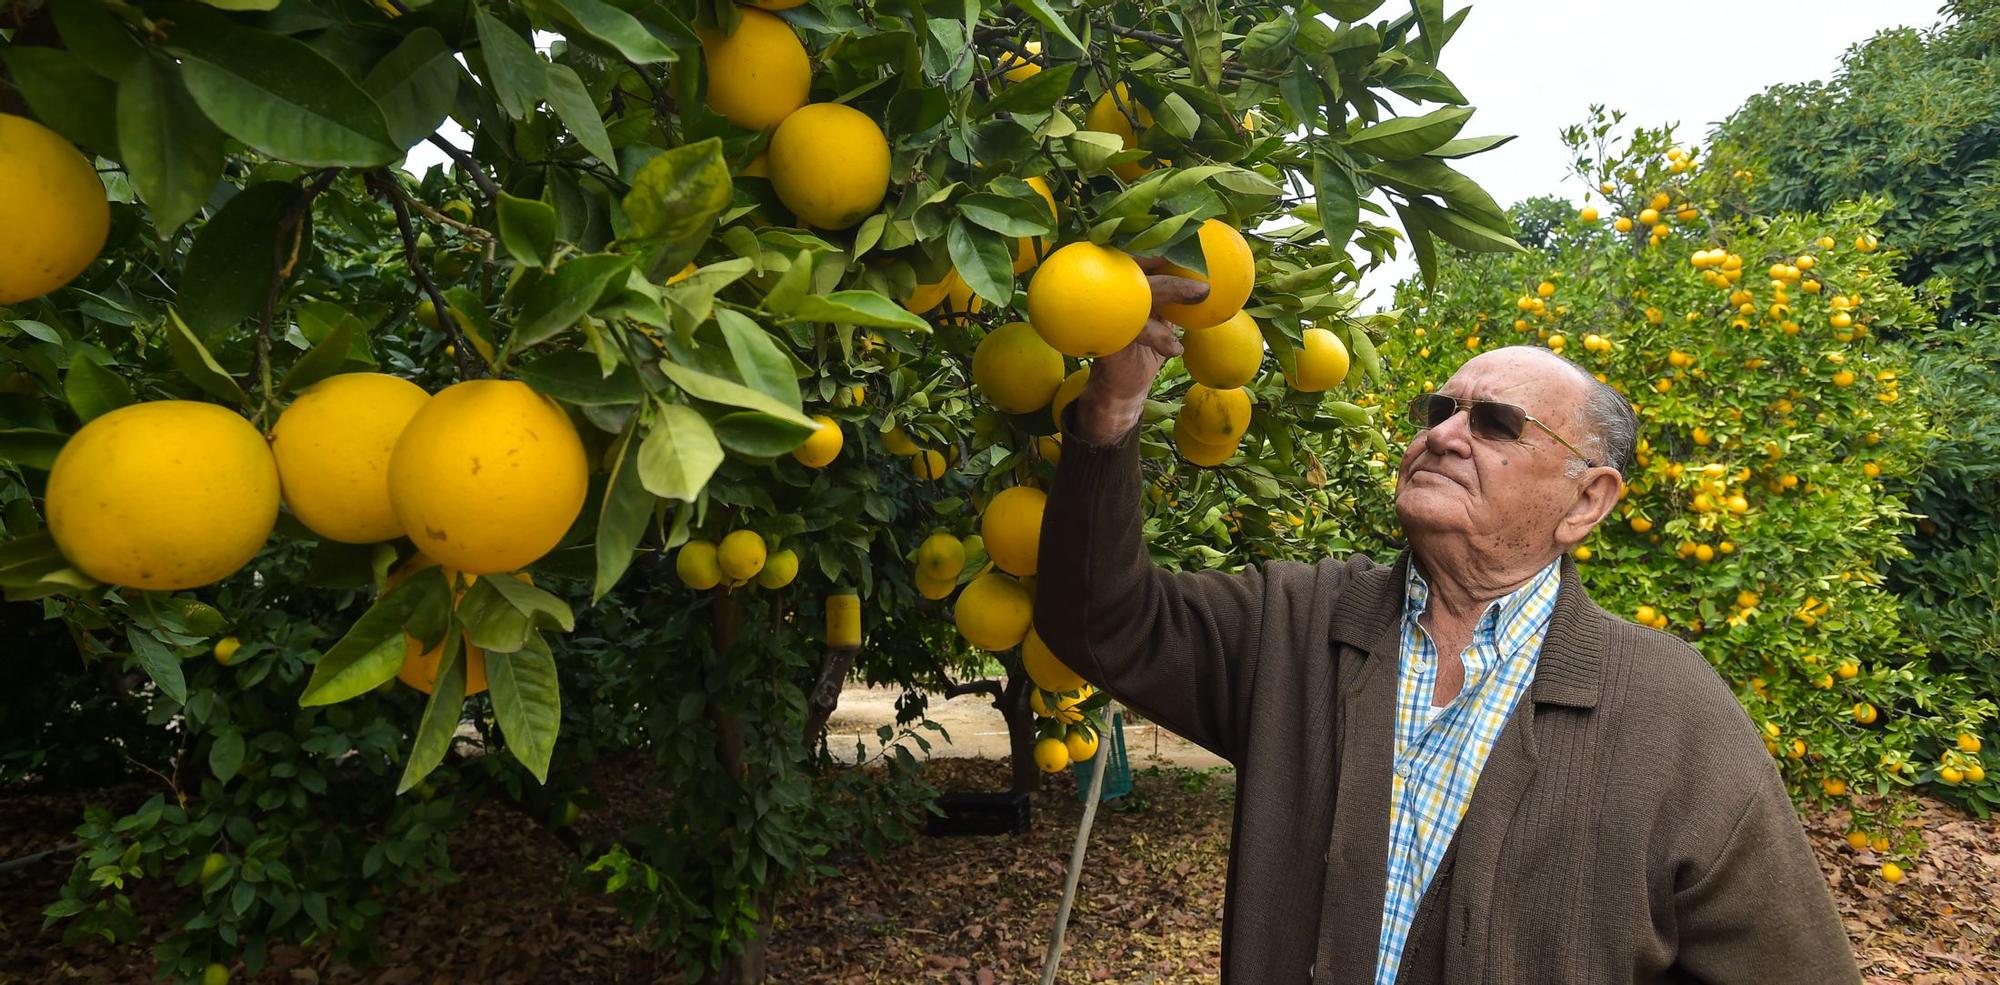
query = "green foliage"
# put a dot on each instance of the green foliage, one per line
(1909, 117)
(1767, 498)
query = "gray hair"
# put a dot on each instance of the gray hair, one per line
(1608, 421)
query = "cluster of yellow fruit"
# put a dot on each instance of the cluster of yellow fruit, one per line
(1658, 215)
(742, 556)
(828, 162)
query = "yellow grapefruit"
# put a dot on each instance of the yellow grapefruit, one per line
(1322, 362)
(760, 74)
(488, 476)
(1051, 754)
(1204, 453)
(1109, 115)
(1225, 356)
(897, 441)
(1028, 250)
(741, 556)
(1047, 671)
(927, 464)
(53, 210)
(1089, 300)
(829, 165)
(1215, 416)
(935, 588)
(1016, 370)
(1012, 529)
(1232, 271)
(163, 496)
(1015, 68)
(699, 565)
(993, 612)
(1081, 743)
(822, 446)
(1072, 385)
(779, 569)
(941, 557)
(332, 446)
(928, 296)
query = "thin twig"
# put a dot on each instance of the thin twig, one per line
(464, 228)
(468, 368)
(468, 164)
(286, 244)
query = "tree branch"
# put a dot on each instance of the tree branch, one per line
(468, 164)
(825, 694)
(468, 367)
(285, 248)
(990, 688)
(465, 228)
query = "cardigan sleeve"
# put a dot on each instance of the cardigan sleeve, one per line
(1761, 913)
(1179, 647)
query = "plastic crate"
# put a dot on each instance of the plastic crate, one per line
(1111, 749)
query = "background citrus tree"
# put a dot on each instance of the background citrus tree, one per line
(1770, 358)
(705, 292)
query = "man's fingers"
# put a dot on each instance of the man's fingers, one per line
(1169, 289)
(1158, 335)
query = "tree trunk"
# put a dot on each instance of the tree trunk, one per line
(746, 968)
(1013, 705)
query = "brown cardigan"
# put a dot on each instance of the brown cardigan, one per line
(1627, 827)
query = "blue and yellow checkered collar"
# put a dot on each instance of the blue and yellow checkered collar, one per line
(1512, 619)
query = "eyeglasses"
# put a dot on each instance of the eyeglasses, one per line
(1490, 419)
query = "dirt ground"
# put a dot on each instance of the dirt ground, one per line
(978, 732)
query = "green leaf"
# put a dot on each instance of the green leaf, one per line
(159, 663)
(984, 258)
(578, 111)
(93, 390)
(516, 71)
(1465, 232)
(1467, 146)
(527, 229)
(1409, 136)
(1007, 216)
(1420, 242)
(196, 364)
(1041, 11)
(576, 377)
(676, 196)
(747, 432)
(527, 702)
(373, 649)
(621, 31)
(1427, 176)
(67, 96)
(415, 85)
(1037, 95)
(1176, 117)
(1159, 234)
(679, 452)
(623, 518)
(794, 284)
(283, 98)
(32, 448)
(225, 757)
(1092, 149)
(242, 4)
(556, 301)
(863, 308)
(1349, 10)
(172, 152)
(96, 35)
(441, 714)
(319, 362)
(229, 268)
(1338, 199)
(499, 612)
(759, 360)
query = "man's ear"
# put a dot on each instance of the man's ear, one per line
(1594, 501)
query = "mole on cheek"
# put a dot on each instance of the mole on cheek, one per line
(1505, 462)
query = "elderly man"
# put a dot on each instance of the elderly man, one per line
(1454, 768)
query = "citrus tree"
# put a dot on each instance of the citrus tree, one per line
(785, 297)
(1779, 424)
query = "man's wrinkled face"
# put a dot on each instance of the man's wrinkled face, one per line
(1498, 494)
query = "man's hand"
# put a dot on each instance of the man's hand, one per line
(1115, 395)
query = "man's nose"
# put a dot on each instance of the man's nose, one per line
(1452, 437)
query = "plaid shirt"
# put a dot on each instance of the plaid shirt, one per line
(1438, 759)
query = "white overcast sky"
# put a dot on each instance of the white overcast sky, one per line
(1533, 67)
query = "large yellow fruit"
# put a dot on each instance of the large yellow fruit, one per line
(1047, 671)
(822, 446)
(699, 565)
(935, 588)
(332, 446)
(959, 300)
(928, 296)
(1215, 416)
(779, 569)
(1016, 370)
(1232, 271)
(1089, 300)
(741, 555)
(1225, 356)
(52, 210)
(420, 666)
(759, 75)
(1322, 363)
(830, 165)
(993, 612)
(897, 441)
(1012, 528)
(163, 496)
(488, 476)
(1072, 386)
(1028, 250)
(1081, 743)
(1051, 754)
(1015, 68)
(927, 464)
(941, 557)
(1107, 116)
(1204, 453)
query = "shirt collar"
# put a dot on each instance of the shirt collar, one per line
(1512, 618)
